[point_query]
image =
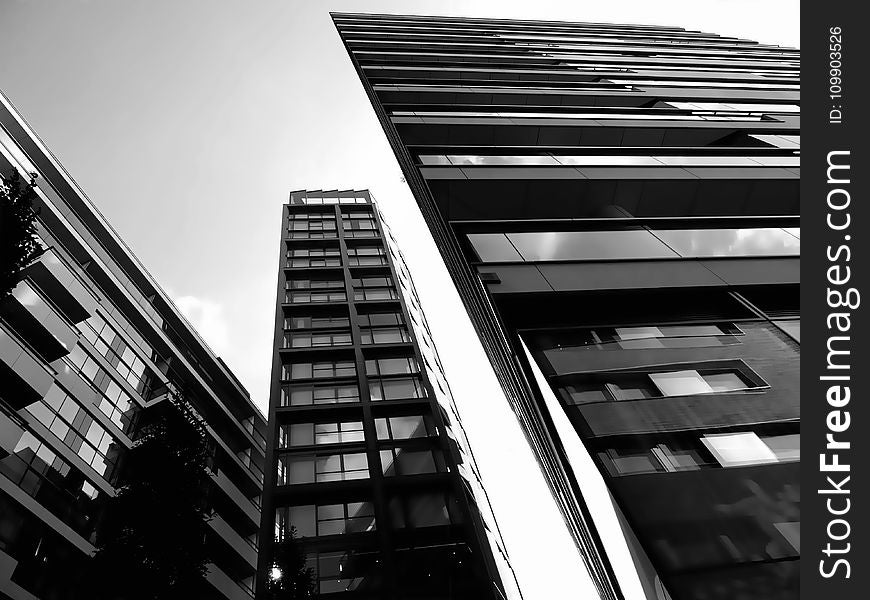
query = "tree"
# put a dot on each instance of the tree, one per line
(18, 242)
(151, 542)
(290, 578)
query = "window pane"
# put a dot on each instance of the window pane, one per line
(493, 247)
(301, 469)
(427, 510)
(761, 241)
(407, 427)
(301, 434)
(626, 462)
(413, 463)
(589, 245)
(302, 518)
(787, 448)
(724, 382)
(738, 449)
(584, 393)
(681, 383)
(381, 428)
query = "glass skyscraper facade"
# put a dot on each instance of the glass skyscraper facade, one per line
(618, 206)
(90, 346)
(367, 458)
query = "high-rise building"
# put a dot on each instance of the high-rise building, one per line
(367, 458)
(89, 347)
(618, 207)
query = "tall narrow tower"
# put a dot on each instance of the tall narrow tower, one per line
(367, 459)
(618, 206)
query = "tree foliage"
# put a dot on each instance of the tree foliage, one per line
(291, 578)
(18, 242)
(151, 543)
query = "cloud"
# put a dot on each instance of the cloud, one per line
(208, 319)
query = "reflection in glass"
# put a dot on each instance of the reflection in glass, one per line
(635, 244)
(589, 245)
(761, 241)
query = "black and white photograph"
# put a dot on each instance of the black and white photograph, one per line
(430, 300)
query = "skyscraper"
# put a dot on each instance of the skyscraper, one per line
(367, 459)
(618, 207)
(90, 346)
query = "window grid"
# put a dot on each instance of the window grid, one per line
(319, 434)
(691, 455)
(658, 384)
(316, 322)
(402, 461)
(397, 388)
(120, 355)
(320, 468)
(366, 256)
(307, 395)
(42, 474)
(316, 339)
(114, 402)
(404, 427)
(70, 422)
(374, 288)
(317, 370)
(313, 257)
(404, 365)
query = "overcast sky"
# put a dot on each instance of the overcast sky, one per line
(188, 122)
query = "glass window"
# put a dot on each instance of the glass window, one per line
(337, 519)
(336, 368)
(324, 467)
(629, 462)
(305, 434)
(759, 241)
(400, 461)
(404, 427)
(384, 335)
(302, 518)
(493, 247)
(738, 449)
(792, 328)
(681, 383)
(44, 475)
(584, 393)
(399, 388)
(306, 395)
(786, 448)
(589, 245)
(726, 381)
(381, 319)
(366, 255)
(374, 288)
(316, 322)
(316, 339)
(314, 284)
(115, 403)
(635, 244)
(622, 386)
(392, 366)
(121, 356)
(313, 257)
(632, 388)
(428, 509)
